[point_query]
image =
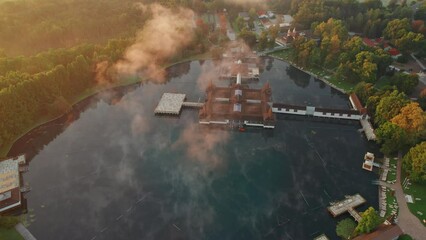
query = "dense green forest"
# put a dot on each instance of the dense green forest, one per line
(51, 51)
(31, 26)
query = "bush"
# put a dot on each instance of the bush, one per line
(8, 222)
(405, 237)
(345, 228)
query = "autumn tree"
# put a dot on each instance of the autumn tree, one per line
(405, 82)
(396, 28)
(249, 37)
(392, 138)
(414, 162)
(364, 90)
(409, 41)
(411, 118)
(369, 222)
(332, 33)
(310, 11)
(389, 106)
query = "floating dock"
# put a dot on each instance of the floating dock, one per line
(347, 205)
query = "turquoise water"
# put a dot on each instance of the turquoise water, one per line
(113, 170)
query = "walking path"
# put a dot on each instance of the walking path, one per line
(406, 220)
(24, 232)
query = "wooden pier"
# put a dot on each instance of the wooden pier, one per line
(347, 205)
(368, 129)
(193, 104)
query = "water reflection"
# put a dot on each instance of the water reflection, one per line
(300, 78)
(119, 172)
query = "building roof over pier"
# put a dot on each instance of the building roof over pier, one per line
(10, 183)
(170, 103)
(237, 103)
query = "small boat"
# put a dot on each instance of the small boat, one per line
(241, 129)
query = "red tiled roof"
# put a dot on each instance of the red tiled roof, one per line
(394, 52)
(384, 232)
(379, 40)
(261, 12)
(369, 42)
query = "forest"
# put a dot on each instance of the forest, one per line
(54, 65)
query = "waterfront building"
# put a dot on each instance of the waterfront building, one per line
(238, 105)
(12, 188)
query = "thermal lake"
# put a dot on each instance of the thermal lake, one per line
(112, 170)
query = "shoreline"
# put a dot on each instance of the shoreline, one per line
(90, 93)
(311, 73)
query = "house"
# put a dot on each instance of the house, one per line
(383, 232)
(262, 14)
(379, 42)
(11, 184)
(289, 37)
(270, 14)
(244, 15)
(395, 53)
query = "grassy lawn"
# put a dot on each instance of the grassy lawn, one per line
(391, 177)
(391, 202)
(283, 54)
(9, 234)
(418, 192)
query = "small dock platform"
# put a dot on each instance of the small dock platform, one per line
(172, 103)
(347, 205)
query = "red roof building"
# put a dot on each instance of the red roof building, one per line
(369, 42)
(356, 103)
(384, 232)
(394, 52)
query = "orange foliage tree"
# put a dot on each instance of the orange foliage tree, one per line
(411, 118)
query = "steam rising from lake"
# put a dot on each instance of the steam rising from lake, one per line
(162, 37)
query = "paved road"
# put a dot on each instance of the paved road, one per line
(406, 220)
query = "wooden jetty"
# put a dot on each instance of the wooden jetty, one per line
(347, 205)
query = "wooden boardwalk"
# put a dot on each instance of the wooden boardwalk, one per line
(193, 104)
(354, 214)
(368, 129)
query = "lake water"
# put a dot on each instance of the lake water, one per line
(113, 170)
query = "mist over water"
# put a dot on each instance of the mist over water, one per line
(119, 172)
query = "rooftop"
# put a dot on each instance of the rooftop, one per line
(9, 173)
(170, 103)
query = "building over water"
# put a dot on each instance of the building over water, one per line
(239, 59)
(238, 105)
(12, 188)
